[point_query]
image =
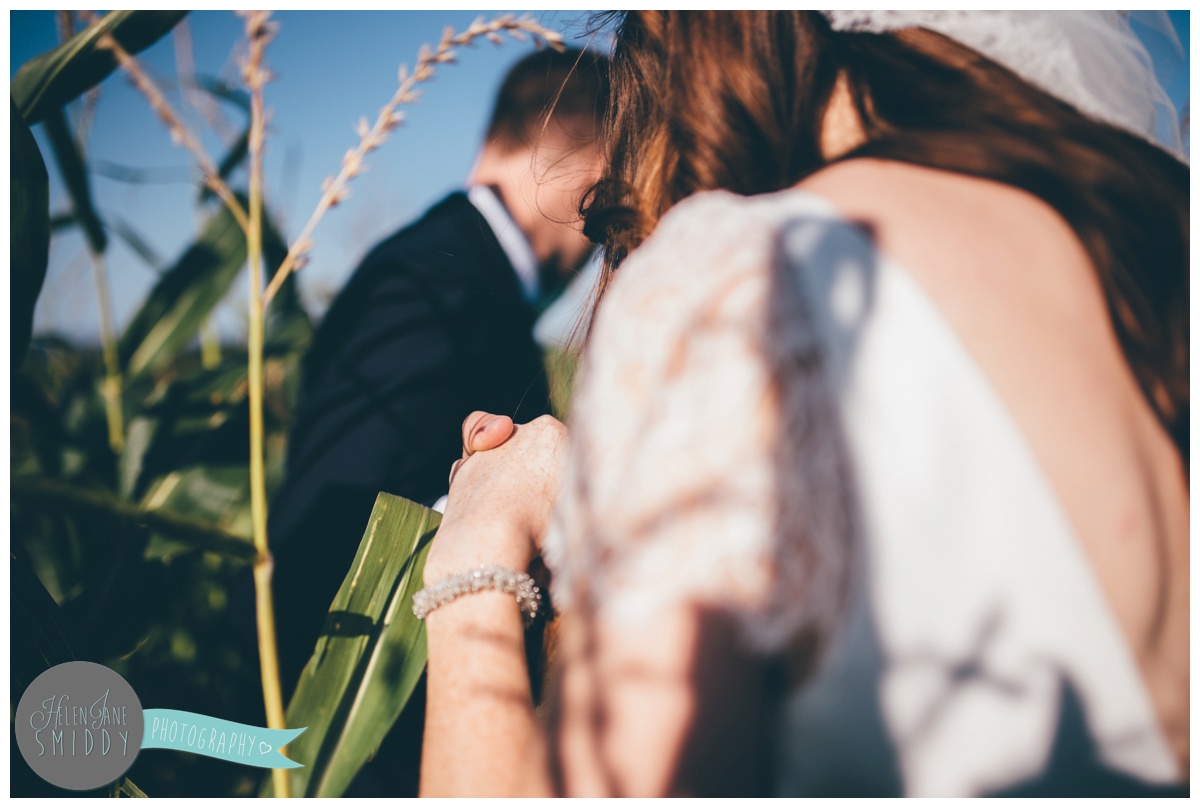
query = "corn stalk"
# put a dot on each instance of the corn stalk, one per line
(259, 32)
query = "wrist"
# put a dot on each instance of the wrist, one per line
(454, 552)
(445, 567)
(521, 586)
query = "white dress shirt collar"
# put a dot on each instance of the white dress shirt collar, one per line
(512, 240)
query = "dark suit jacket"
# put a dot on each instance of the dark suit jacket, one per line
(432, 325)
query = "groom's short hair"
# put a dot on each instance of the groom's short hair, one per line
(566, 89)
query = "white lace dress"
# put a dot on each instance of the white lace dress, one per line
(974, 652)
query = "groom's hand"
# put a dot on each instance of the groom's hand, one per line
(483, 430)
(501, 494)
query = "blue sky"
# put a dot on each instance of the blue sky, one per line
(332, 68)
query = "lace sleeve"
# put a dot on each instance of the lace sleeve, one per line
(684, 437)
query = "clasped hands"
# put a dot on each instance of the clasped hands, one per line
(502, 492)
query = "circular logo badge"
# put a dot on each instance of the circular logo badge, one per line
(79, 725)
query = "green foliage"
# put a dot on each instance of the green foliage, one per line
(233, 158)
(221, 90)
(136, 242)
(126, 787)
(93, 503)
(370, 656)
(39, 639)
(29, 231)
(73, 170)
(139, 550)
(561, 366)
(128, 552)
(184, 296)
(52, 80)
(188, 292)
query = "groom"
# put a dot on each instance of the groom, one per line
(434, 323)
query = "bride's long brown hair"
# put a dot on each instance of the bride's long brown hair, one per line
(709, 100)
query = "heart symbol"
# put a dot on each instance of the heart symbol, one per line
(264, 747)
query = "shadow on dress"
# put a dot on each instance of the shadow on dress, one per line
(832, 734)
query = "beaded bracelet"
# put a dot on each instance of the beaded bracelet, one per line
(529, 597)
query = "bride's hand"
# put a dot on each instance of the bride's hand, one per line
(501, 494)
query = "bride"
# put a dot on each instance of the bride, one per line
(877, 476)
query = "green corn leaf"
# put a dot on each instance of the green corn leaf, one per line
(185, 453)
(211, 495)
(136, 242)
(224, 91)
(185, 450)
(61, 221)
(165, 175)
(561, 366)
(93, 503)
(52, 80)
(233, 158)
(29, 229)
(125, 786)
(217, 88)
(188, 291)
(41, 636)
(184, 296)
(370, 656)
(73, 169)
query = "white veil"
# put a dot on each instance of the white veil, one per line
(1093, 60)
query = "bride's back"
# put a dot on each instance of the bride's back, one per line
(1012, 281)
(1014, 391)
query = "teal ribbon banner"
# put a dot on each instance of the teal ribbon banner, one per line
(216, 737)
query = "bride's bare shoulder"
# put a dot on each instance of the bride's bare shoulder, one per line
(868, 183)
(930, 219)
